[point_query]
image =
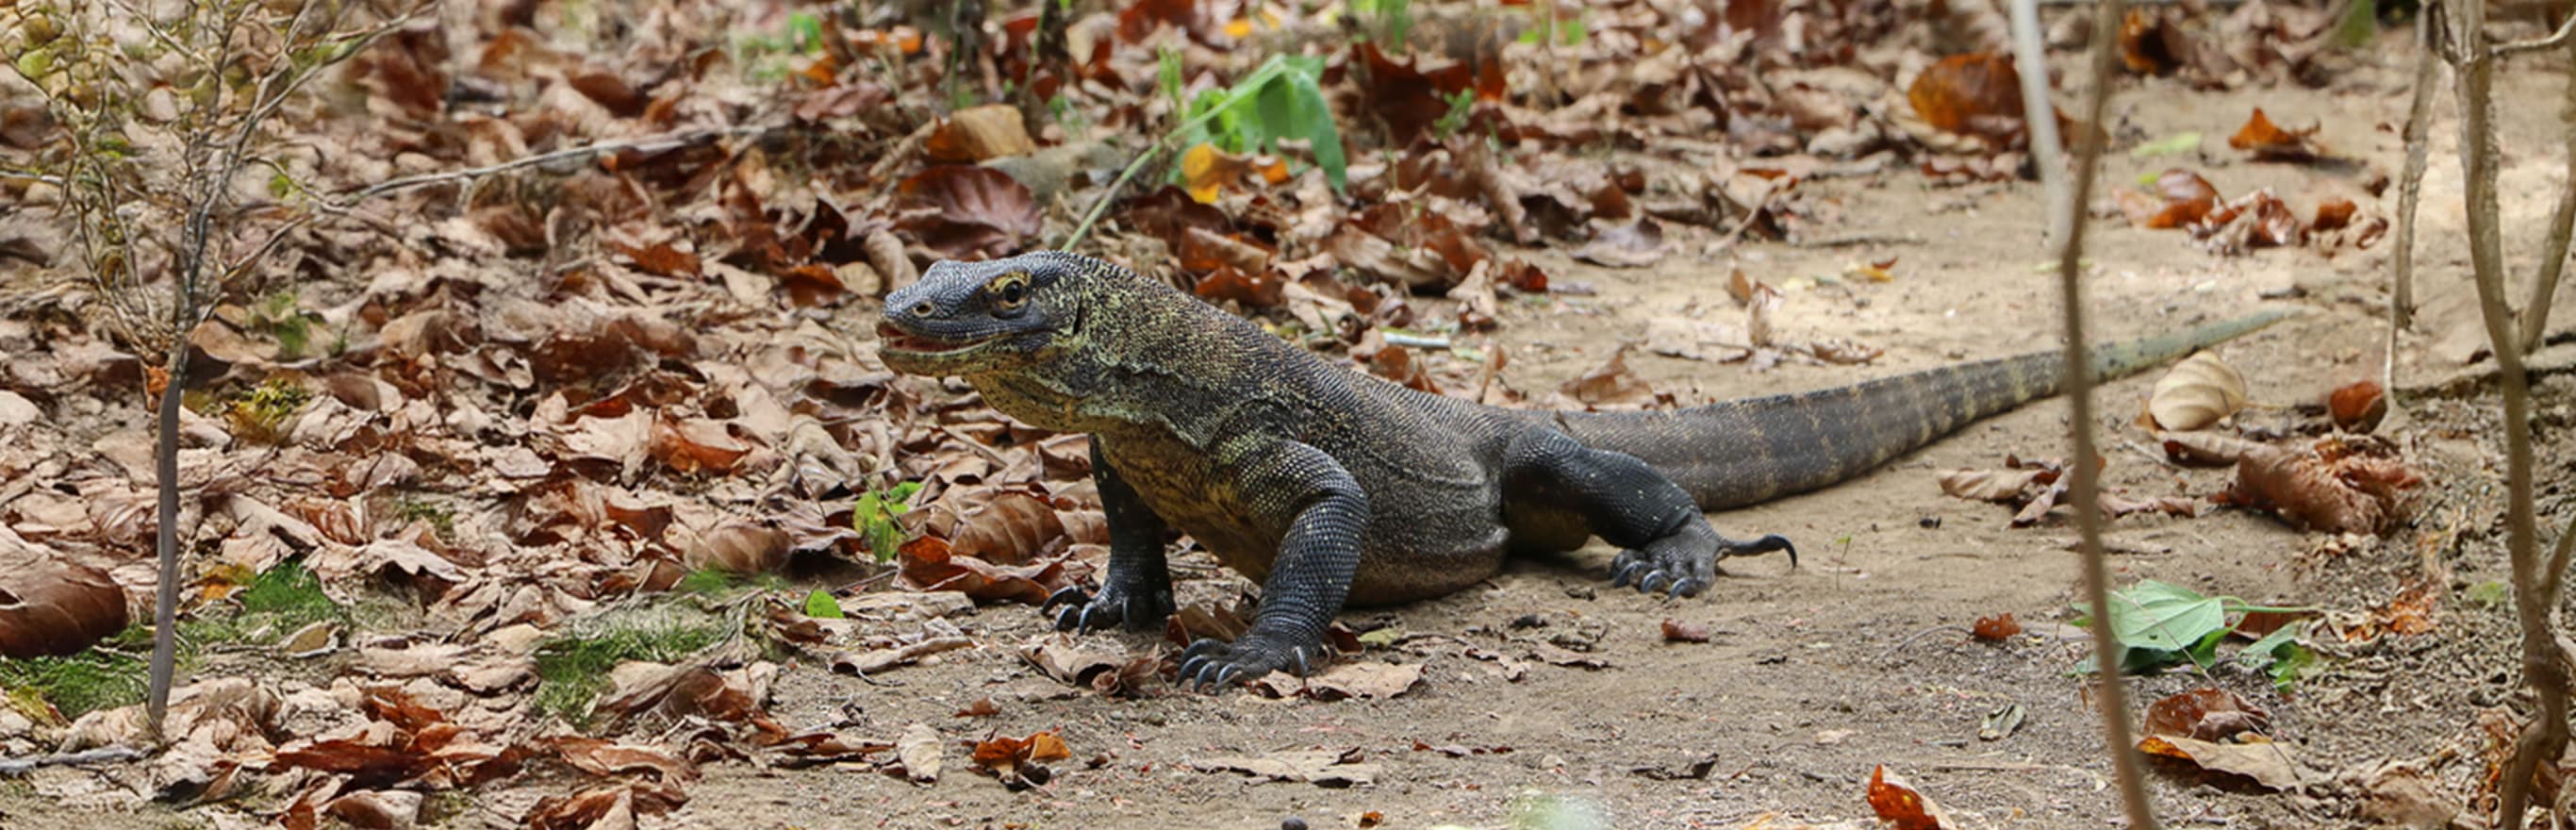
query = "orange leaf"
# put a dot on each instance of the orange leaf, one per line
(1974, 95)
(2269, 141)
(1899, 804)
(1997, 628)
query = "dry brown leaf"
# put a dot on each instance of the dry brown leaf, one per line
(2358, 406)
(2208, 714)
(928, 565)
(1676, 631)
(1898, 804)
(50, 607)
(2269, 142)
(1997, 628)
(2349, 494)
(2198, 392)
(978, 134)
(1012, 529)
(919, 751)
(2181, 198)
(1634, 245)
(1975, 95)
(740, 546)
(1374, 681)
(1611, 383)
(2004, 486)
(967, 212)
(2205, 449)
(2266, 763)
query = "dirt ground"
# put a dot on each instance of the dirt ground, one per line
(1857, 657)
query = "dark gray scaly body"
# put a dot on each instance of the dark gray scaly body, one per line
(1330, 486)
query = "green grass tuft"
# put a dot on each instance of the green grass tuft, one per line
(96, 679)
(572, 669)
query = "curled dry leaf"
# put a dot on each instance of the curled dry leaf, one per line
(1015, 760)
(1975, 95)
(1012, 529)
(1900, 806)
(1376, 681)
(2206, 714)
(2198, 392)
(1610, 383)
(967, 212)
(918, 750)
(929, 565)
(1996, 629)
(1634, 245)
(1676, 631)
(978, 134)
(2269, 142)
(742, 547)
(2358, 406)
(2349, 492)
(51, 607)
(2333, 213)
(2003, 486)
(2181, 198)
(2205, 449)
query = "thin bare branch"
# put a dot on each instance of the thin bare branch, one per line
(101, 755)
(2030, 60)
(2554, 40)
(2553, 248)
(2113, 692)
(2410, 187)
(2545, 737)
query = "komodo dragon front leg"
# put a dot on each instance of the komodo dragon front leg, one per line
(1288, 484)
(1137, 590)
(1665, 541)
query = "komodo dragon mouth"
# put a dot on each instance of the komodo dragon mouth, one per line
(898, 340)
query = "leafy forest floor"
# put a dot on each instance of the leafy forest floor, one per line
(576, 496)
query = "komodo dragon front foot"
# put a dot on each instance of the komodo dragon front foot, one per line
(1137, 607)
(1673, 564)
(1208, 664)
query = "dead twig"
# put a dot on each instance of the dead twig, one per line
(2553, 248)
(101, 755)
(2086, 487)
(2030, 60)
(2410, 183)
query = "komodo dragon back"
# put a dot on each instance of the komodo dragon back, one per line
(1742, 452)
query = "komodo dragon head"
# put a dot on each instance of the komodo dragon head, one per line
(1000, 316)
(1015, 329)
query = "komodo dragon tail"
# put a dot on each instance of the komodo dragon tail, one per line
(1747, 451)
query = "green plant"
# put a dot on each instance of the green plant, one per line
(573, 668)
(820, 604)
(2160, 624)
(1388, 23)
(259, 413)
(1461, 105)
(875, 518)
(102, 677)
(279, 316)
(1282, 99)
(441, 518)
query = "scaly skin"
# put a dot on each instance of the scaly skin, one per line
(1330, 486)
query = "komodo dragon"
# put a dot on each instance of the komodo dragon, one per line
(1331, 486)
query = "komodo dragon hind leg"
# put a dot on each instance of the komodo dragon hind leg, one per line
(1137, 590)
(1666, 543)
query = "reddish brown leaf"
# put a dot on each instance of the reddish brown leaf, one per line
(2352, 493)
(2182, 197)
(697, 444)
(2205, 714)
(1610, 383)
(2357, 406)
(983, 707)
(1898, 804)
(609, 90)
(1997, 628)
(50, 607)
(2269, 142)
(1676, 631)
(2333, 213)
(1012, 529)
(2407, 614)
(1973, 95)
(965, 211)
(976, 134)
(928, 566)
(660, 259)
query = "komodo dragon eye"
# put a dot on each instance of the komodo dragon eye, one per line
(1010, 291)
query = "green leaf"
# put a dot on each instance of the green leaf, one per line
(1381, 637)
(808, 31)
(36, 63)
(2165, 617)
(2490, 594)
(2182, 142)
(821, 605)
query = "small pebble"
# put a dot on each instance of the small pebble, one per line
(1292, 823)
